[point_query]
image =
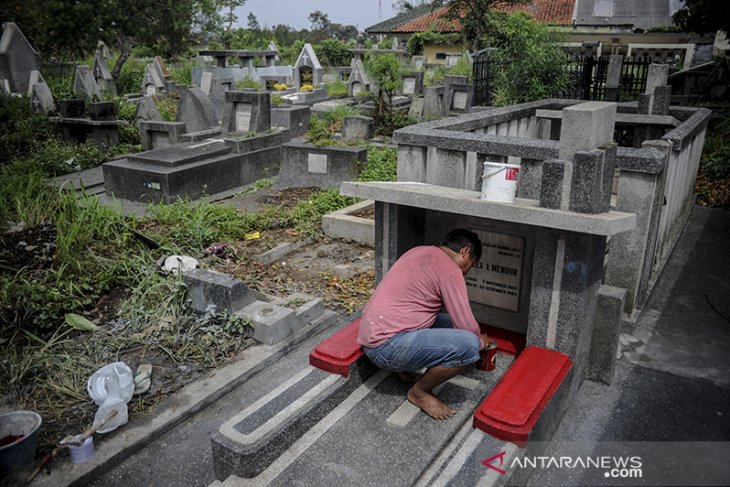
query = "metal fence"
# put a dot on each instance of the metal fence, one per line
(587, 78)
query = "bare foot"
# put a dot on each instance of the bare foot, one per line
(430, 404)
(408, 377)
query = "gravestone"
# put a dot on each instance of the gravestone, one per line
(458, 94)
(418, 62)
(41, 99)
(272, 47)
(205, 82)
(307, 69)
(196, 110)
(358, 80)
(246, 112)
(103, 50)
(102, 75)
(155, 134)
(146, 111)
(413, 83)
(17, 59)
(152, 81)
(35, 77)
(85, 85)
(357, 127)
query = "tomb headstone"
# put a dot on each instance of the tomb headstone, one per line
(17, 58)
(102, 75)
(246, 112)
(205, 82)
(358, 80)
(357, 127)
(85, 85)
(103, 50)
(307, 69)
(35, 77)
(155, 134)
(196, 110)
(272, 47)
(146, 111)
(413, 83)
(152, 81)
(418, 61)
(586, 126)
(394, 46)
(41, 99)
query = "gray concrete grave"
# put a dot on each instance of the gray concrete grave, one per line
(17, 59)
(102, 75)
(325, 167)
(246, 112)
(412, 83)
(155, 134)
(153, 82)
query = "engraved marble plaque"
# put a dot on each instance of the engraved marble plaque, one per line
(243, 117)
(317, 163)
(459, 102)
(495, 279)
(409, 86)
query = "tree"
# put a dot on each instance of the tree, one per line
(59, 28)
(403, 6)
(528, 64)
(471, 14)
(387, 72)
(253, 22)
(320, 23)
(704, 16)
(231, 16)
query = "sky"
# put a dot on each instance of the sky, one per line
(360, 13)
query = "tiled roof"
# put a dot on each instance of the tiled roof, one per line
(389, 25)
(552, 12)
(423, 17)
(435, 20)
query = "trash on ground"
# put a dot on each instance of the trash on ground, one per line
(179, 263)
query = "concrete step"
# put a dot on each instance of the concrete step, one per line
(316, 428)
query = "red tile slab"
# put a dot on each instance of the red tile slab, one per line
(337, 353)
(513, 407)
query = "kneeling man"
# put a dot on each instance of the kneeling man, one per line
(402, 329)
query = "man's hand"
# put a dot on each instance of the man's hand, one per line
(485, 341)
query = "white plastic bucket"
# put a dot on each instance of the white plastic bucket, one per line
(499, 182)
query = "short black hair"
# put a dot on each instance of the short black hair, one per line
(459, 238)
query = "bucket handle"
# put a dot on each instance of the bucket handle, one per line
(494, 172)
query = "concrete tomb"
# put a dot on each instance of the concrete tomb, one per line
(102, 75)
(196, 110)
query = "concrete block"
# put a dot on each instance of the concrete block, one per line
(347, 225)
(592, 180)
(555, 185)
(308, 165)
(155, 134)
(585, 127)
(196, 110)
(358, 127)
(294, 118)
(271, 323)
(208, 287)
(606, 331)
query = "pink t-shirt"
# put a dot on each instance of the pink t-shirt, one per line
(411, 294)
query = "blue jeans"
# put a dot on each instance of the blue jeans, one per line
(441, 344)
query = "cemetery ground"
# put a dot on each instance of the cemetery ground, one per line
(83, 253)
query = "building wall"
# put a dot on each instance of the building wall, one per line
(437, 54)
